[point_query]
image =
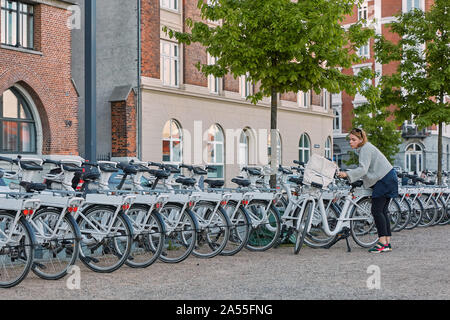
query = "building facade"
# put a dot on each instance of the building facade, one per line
(38, 99)
(155, 105)
(418, 151)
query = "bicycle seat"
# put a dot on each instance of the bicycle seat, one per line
(186, 181)
(215, 183)
(284, 170)
(30, 166)
(199, 171)
(106, 167)
(90, 176)
(241, 181)
(160, 174)
(127, 169)
(296, 180)
(253, 171)
(141, 168)
(72, 168)
(32, 187)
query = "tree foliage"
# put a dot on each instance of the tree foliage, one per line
(284, 45)
(422, 80)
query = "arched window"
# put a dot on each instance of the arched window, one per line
(414, 158)
(279, 148)
(17, 125)
(304, 148)
(328, 148)
(172, 142)
(244, 148)
(216, 151)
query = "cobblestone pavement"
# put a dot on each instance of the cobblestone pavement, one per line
(418, 268)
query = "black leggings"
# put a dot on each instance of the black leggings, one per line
(380, 212)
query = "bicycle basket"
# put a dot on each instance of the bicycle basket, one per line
(319, 170)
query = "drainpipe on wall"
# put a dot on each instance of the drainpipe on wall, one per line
(90, 51)
(139, 95)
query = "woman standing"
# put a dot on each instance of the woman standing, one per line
(377, 173)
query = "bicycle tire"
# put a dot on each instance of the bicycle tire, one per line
(211, 239)
(22, 249)
(113, 249)
(430, 213)
(441, 211)
(175, 248)
(394, 214)
(147, 246)
(240, 229)
(302, 226)
(416, 214)
(312, 240)
(405, 215)
(365, 227)
(61, 252)
(446, 218)
(263, 235)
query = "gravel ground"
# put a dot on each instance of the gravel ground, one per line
(418, 268)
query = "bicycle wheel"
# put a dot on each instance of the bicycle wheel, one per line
(239, 231)
(148, 237)
(416, 214)
(441, 211)
(405, 214)
(57, 243)
(430, 211)
(181, 233)
(16, 249)
(266, 226)
(214, 230)
(303, 225)
(316, 236)
(363, 228)
(103, 250)
(446, 216)
(394, 214)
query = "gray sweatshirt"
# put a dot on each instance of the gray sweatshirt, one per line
(373, 166)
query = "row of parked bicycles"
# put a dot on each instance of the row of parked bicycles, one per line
(108, 214)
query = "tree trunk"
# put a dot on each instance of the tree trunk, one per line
(273, 137)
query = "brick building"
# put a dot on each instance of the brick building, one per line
(38, 99)
(154, 104)
(418, 151)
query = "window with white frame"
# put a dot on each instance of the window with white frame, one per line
(304, 148)
(17, 125)
(328, 148)
(304, 99)
(363, 12)
(337, 121)
(414, 158)
(172, 142)
(364, 51)
(216, 151)
(413, 4)
(214, 83)
(246, 86)
(326, 99)
(17, 24)
(170, 63)
(169, 4)
(243, 152)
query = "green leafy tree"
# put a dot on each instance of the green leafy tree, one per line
(283, 45)
(376, 120)
(422, 81)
